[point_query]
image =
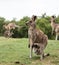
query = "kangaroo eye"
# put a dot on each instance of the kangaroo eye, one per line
(30, 21)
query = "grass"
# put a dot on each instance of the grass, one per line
(16, 50)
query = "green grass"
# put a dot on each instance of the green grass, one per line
(12, 50)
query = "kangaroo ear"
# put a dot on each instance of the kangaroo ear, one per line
(34, 17)
(53, 16)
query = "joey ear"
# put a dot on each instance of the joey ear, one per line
(34, 17)
(36, 46)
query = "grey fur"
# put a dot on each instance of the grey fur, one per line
(36, 36)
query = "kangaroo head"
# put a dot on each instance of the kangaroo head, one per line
(31, 22)
(52, 18)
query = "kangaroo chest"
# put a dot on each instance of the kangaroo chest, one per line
(34, 35)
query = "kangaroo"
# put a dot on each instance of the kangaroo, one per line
(36, 36)
(55, 27)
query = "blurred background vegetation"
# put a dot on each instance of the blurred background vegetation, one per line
(42, 22)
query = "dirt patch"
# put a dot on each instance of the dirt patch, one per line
(43, 62)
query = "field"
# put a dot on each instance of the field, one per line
(16, 52)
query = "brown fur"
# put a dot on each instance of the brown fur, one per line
(55, 26)
(8, 33)
(36, 36)
(10, 26)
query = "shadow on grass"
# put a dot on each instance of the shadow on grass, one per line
(36, 58)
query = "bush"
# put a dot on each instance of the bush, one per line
(44, 25)
(1, 25)
(22, 32)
